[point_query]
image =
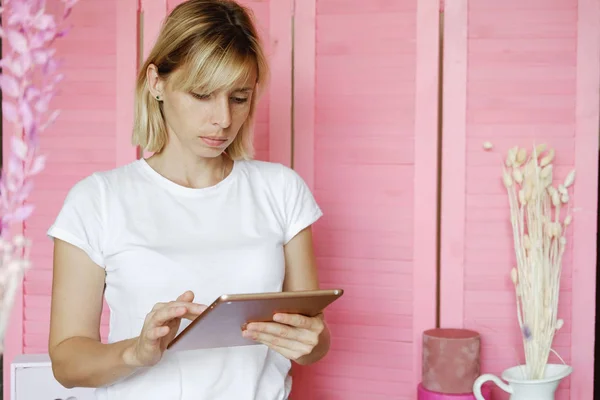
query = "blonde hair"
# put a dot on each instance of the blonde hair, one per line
(208, 44)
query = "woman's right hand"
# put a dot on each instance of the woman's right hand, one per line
(160, 327)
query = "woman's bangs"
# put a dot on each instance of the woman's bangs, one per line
(219, 70)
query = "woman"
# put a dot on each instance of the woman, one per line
(162, 236)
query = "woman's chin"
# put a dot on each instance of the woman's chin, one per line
(208, 152)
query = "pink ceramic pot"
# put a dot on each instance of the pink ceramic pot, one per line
(450, 360)
(424, 394)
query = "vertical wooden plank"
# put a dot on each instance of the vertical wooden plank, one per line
(153, 12)
(267, 14)
(586, 200)
(126, 71)
(356, 142)
(453, 164)
(304, 89)
(426, 177)
(303, 120)
(303, 135)
(280, 91)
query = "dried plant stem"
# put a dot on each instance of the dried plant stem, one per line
(539, 243)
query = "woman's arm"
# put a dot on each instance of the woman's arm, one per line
(301, 274)
(78, 357)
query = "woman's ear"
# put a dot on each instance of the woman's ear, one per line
(156, 84)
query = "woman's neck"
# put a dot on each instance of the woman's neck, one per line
(191, 171)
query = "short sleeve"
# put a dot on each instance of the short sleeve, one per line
(300, 207)
(80, 221)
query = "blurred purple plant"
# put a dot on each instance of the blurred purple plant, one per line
(28, 81)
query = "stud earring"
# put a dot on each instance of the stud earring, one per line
(157, 97)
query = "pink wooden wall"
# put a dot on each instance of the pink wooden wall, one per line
(363, 134)
(517, 72)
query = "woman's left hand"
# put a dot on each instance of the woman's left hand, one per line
(291, 335)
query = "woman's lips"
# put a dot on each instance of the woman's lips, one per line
(213, 142)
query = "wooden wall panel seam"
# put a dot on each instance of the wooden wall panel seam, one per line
(127, 52)
(585, 244)
(426, 177)
(280, 89)
(304, 89)
(453, 172)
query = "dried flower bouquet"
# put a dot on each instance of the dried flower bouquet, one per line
(28, 82)
(539, 236)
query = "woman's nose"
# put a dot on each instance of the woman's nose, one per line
(222, 113)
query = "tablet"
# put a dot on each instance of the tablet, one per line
(221, 324)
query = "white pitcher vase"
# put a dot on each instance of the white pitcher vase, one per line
(521, 388)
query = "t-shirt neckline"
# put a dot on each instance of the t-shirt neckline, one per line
(182, 190)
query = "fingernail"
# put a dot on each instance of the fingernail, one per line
(277, 317)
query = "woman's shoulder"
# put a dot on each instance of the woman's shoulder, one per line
(272, 172)
(261, 167)
(100, 181)
(276, 178)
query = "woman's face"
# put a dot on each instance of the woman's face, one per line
(205, 123)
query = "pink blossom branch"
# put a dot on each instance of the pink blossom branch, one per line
(29, 82)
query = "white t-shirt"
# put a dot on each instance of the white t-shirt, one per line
(157, 239)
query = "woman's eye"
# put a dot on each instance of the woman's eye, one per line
(201, 96)
(240, 100)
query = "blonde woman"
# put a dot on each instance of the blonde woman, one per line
(162, 236)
